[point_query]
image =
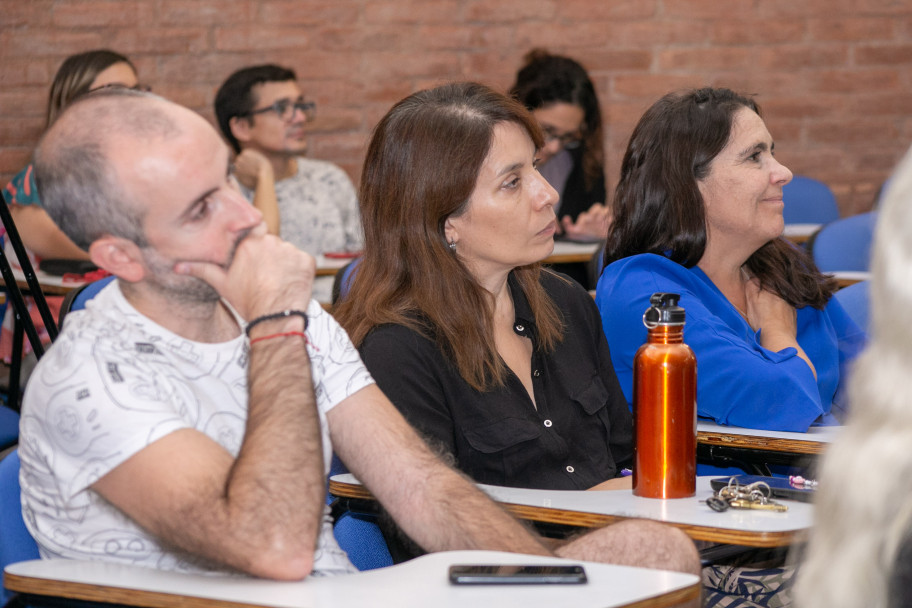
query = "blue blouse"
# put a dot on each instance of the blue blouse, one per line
(739, 382)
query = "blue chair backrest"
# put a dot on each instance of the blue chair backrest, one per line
(344, 278)
(808, 201)
(76, 299)
(855, 301)
(9, 427)
(845, 244)
(359, 535)
(16, 544)
(90, 291)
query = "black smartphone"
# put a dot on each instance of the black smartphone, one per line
(780, 487)
(525, 574)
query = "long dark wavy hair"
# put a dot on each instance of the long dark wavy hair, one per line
(658, 207)
(546, 79)
(421, 168)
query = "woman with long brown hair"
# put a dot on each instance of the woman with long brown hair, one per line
(496, 360)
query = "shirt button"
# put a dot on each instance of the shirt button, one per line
(536, 373)
(548, 423)
(570, 469)
(520, 328)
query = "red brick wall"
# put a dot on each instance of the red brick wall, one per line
(834, 76)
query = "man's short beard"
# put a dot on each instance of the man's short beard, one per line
(183, 288)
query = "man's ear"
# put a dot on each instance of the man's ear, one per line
(240, 128)
(118, 256)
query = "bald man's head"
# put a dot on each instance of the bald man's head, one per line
(76, 162)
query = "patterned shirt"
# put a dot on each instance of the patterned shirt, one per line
(113, 383)
(318, 208)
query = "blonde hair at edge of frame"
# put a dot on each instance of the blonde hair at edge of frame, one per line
(864, 505)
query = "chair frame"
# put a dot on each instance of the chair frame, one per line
(22, 320)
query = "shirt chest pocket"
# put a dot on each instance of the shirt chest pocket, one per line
(503, 452)
(592, 396)
(500, 435)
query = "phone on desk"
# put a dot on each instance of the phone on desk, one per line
(517, 574)
(780, 487)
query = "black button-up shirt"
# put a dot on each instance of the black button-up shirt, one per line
(578, 435)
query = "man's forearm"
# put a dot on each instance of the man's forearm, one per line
(437, 507)
(462, 517)
(277, 479)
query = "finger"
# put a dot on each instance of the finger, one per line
(259, 230)
(207, 272)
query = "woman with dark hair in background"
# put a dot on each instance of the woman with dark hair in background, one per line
(698, 211)
(77, 75)
(561, 96)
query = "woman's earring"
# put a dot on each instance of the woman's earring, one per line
(452, 245)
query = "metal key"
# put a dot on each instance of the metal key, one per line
(717, 504)
(756, 504)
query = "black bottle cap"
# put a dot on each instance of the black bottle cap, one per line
(664, 310)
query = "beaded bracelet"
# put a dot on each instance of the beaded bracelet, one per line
(281, 335)
(277, 315)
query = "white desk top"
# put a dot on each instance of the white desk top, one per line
(734, 526)
(421, 582)
(816, 434)
(327, 265)
(850, 276)
(575, 248)
(45, 280)
(792, 230)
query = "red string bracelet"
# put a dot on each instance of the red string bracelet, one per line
(281, 335)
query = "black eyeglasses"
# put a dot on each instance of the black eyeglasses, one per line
(116, 85)
(285, 109)
(568, 141)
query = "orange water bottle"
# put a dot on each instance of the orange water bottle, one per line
(665, 405)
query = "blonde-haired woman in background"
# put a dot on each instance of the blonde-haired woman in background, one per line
(77, 75)
(860, 550)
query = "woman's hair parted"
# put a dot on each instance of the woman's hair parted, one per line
(658, 207)
(421, 168)
(75, 75)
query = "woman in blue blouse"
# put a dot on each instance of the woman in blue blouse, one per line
(698, 211)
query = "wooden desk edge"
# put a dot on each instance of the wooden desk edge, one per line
(772, 444)
(568, 258)
(672, 598)
(116, 595)
(596, 520)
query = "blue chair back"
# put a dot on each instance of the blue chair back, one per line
(808, 201)
(16, 544)
(344, 277)
(845, 244)
(9, 427)
(855, 301)
(359, 535)
(76, 299)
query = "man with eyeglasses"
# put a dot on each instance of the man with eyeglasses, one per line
(309, 203)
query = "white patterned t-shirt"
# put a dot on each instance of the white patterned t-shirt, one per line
(114, 382)
(318, 208)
